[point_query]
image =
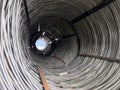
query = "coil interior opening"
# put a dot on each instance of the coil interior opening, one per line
(98, 34)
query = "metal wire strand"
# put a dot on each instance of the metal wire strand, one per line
(97, 37)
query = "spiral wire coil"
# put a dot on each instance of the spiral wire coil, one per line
(65, 69)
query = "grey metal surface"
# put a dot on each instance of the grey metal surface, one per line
(99, 34)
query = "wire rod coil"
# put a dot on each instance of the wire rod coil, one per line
(67, 67)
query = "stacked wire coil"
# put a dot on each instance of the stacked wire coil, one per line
(98, 34)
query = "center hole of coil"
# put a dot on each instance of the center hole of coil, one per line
(41, 43)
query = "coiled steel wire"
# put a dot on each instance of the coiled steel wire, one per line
(98, 34)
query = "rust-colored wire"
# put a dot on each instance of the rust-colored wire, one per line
(45, 85)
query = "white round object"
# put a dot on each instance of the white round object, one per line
(41, 44)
